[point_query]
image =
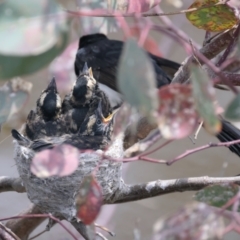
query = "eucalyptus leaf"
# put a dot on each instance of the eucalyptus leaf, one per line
(30, 39)
(11, 66)
(136, 79)
(233, 110)
(204, 95)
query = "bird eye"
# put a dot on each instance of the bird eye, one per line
(99, 121)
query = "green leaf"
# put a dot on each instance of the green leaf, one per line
(215, 18)
(136, 79)
(204, 95)
(29, 44)
(217, 195)
(233, 110)
(11, 66)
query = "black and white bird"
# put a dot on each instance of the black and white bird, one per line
(95, 133)
(84, 95)
(84, 119)
(45, 121)
(103, 55)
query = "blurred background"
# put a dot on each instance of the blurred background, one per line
(41, 30)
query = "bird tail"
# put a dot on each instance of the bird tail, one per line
(230, 133)
(168, 66)
(20, 138)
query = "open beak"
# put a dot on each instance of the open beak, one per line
(110, 117)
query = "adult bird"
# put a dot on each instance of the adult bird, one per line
(103, 54)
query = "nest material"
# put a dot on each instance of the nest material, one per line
(56, 195)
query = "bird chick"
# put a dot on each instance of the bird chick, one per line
(96, 124)
(103, 55)
(49, 103)
(45, 121)
(77, 104)
(84, 87)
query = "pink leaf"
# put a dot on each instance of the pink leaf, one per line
(177, 116)
(62, 160)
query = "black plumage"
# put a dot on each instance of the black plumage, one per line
(45, 121)
(82, 99)
(103, 55)
(76, 140)
(95, 124)
(49, 103)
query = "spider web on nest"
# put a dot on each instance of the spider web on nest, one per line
(56, 195)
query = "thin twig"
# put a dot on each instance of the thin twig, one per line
(230, 47)
(105, 13)
(105, 229)
(189, 152)
(41, 216)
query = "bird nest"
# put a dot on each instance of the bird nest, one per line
(57, 195)
(55, 121)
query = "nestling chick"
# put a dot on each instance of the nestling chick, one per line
(77, 104)
(49, 103)
(45, 121)
(95, 124)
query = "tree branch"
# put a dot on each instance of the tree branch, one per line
(210, 50)
(156, 188)
(11, 184)
(84, 230)
(23, 227)
(140, 147)
(233, 78)
(7, 234)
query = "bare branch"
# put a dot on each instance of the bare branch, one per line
(102, 13)
(156, 188)
(140, 147)
(195, 150)
(84, 230)
(7, 234)
(23, 227)
(210, 50)
(233, 78)
(11, 184)
(42, 216)
(141, 132)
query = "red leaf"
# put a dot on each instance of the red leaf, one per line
(137, 6)
(177, 117)
(62, 160)
(89, 200)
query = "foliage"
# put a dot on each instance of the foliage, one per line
(34, 33)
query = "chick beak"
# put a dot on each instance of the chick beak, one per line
(110, 117)
(52, 85)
